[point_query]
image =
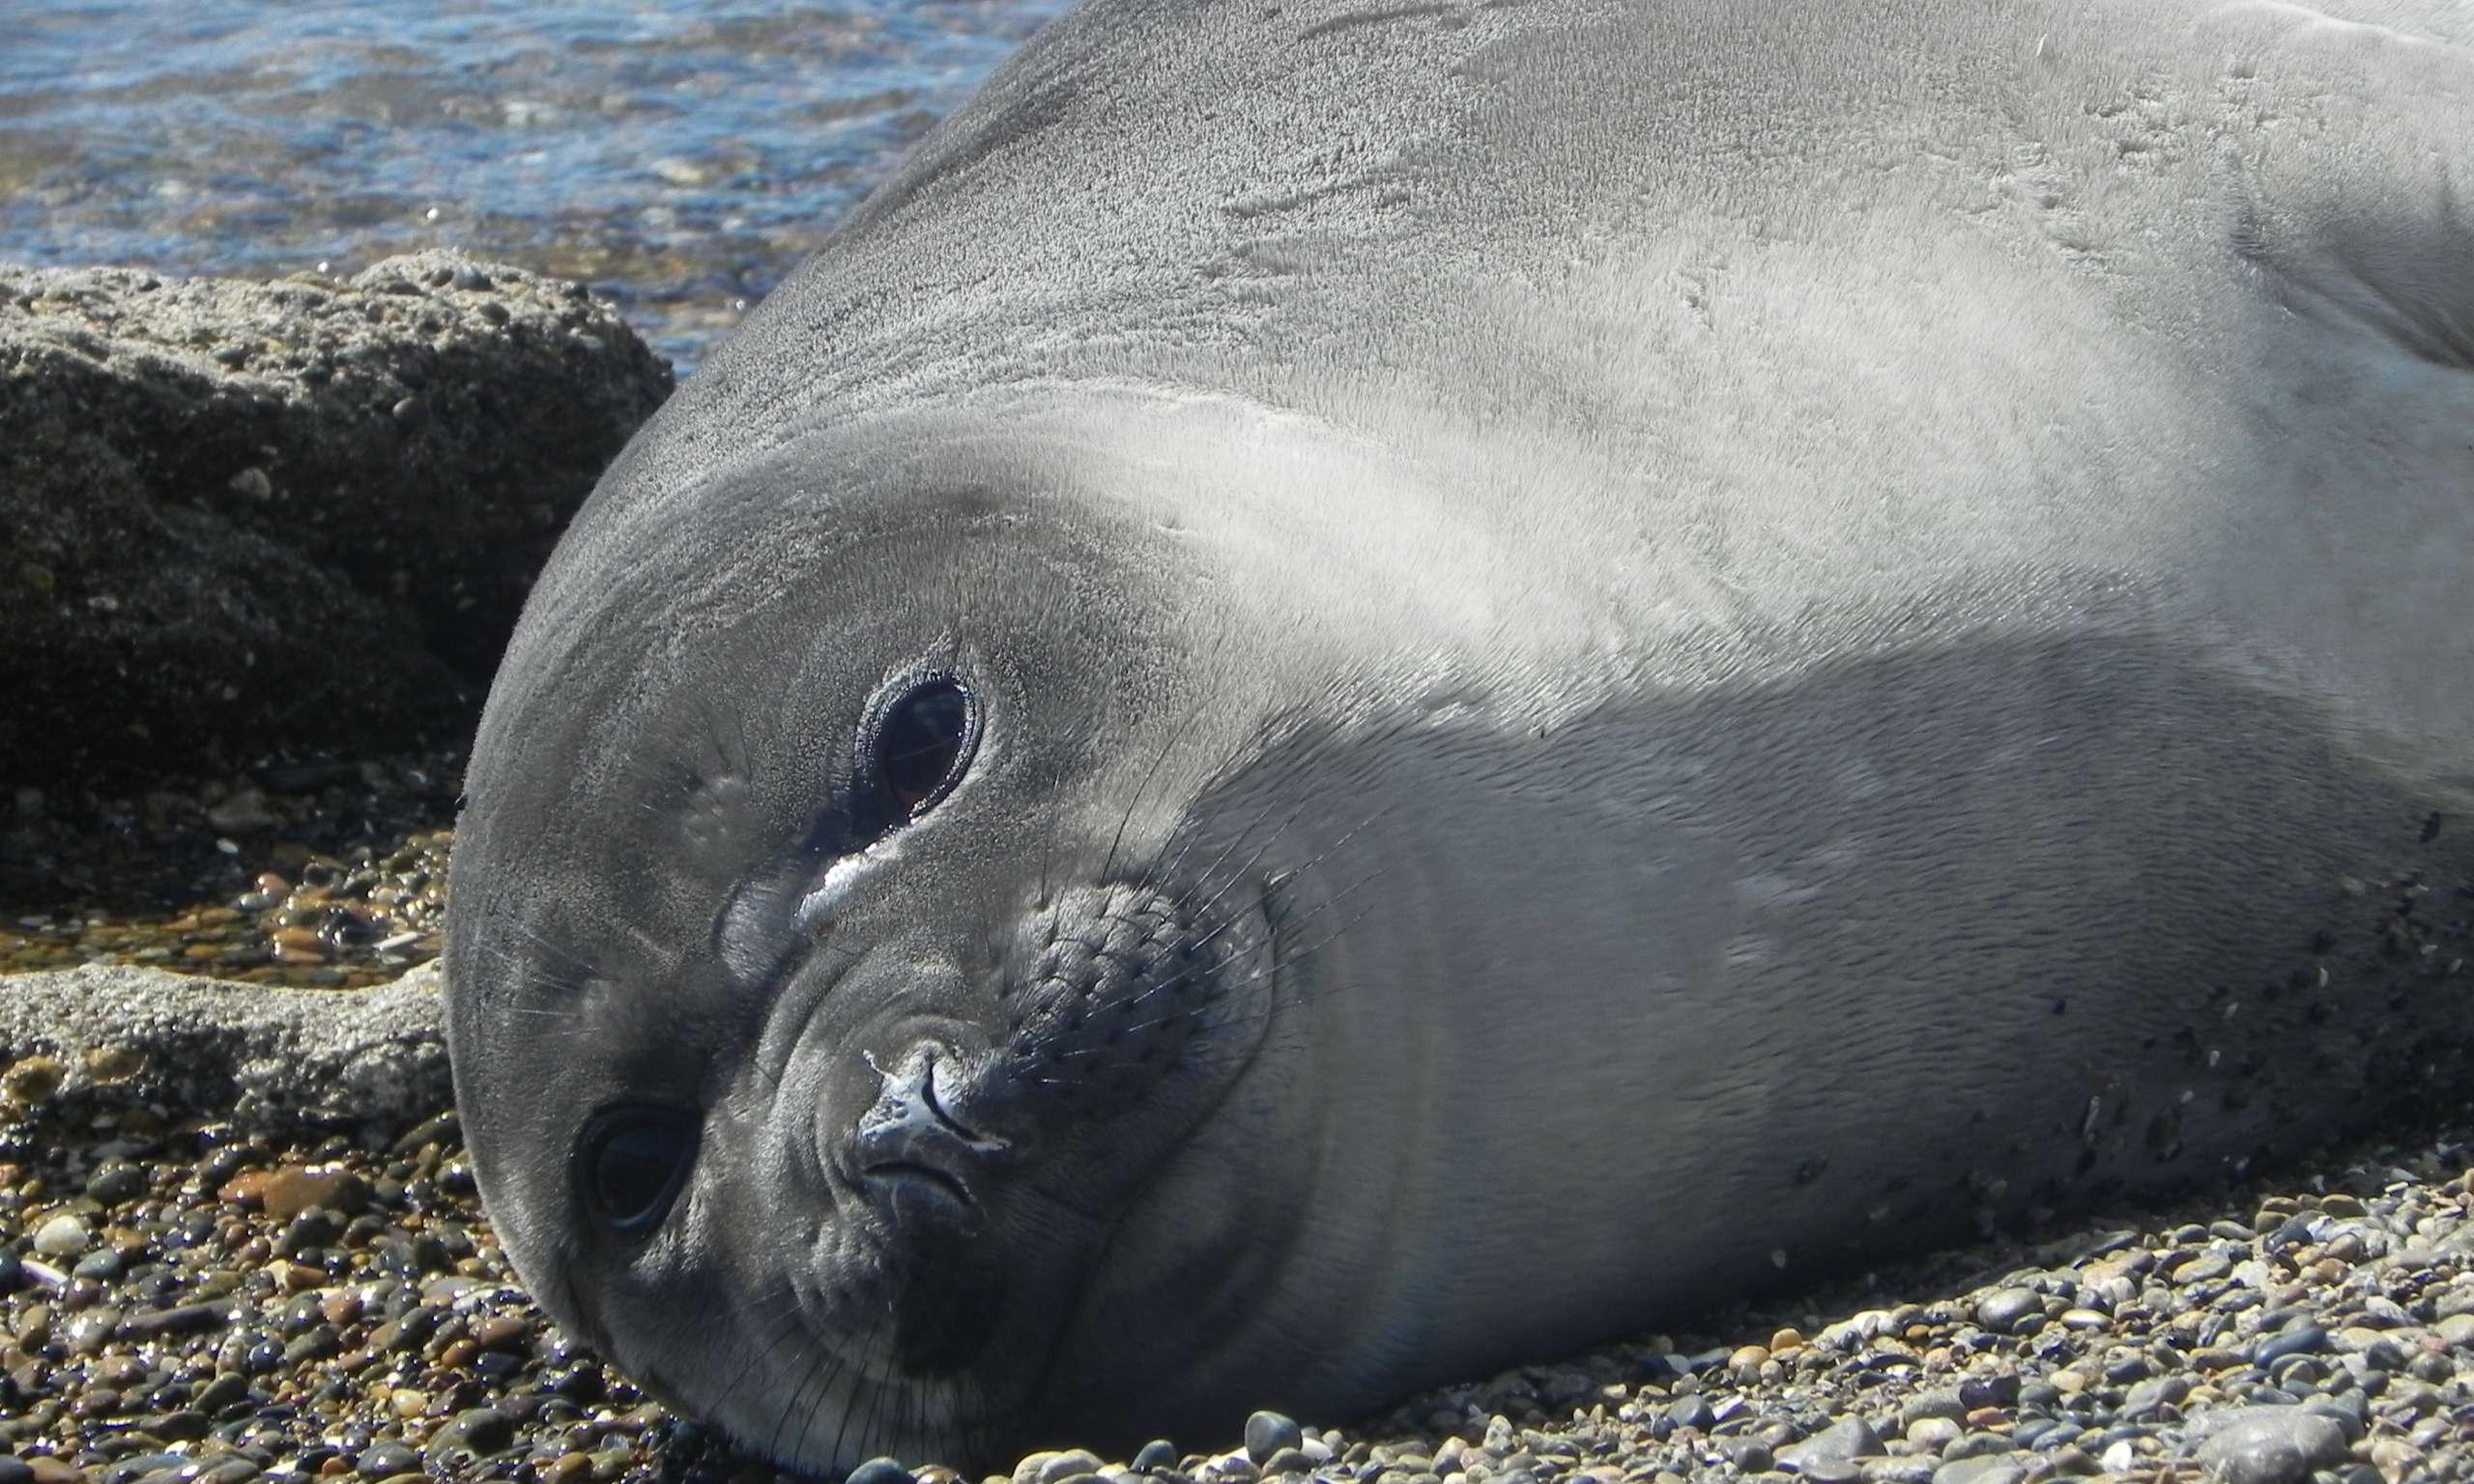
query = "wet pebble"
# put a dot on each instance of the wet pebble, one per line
(63, 1235)
(1267, 1433)
(2003, 1310)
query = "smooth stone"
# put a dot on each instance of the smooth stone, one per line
(63, 1235)
(1932, 1404)
(1977, 1446)
(384, 1460)
(2303, 1339)
(1157, 1454)
(1749, 1455)
(1269, 1432)
(1053, 1466)
(2268, 1445)
(1847, 1439)
(2149, 1397)
(1691, 1412)
(115, 1181)
(2005, 1309)
(1990, 1469)
(880, 1470)
(483, 1430)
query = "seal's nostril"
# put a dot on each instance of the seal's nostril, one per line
(918, 1162)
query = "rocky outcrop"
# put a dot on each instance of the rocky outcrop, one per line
(244, 1050)
(244, 516)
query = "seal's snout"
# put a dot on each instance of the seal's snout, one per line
(922, 1165)
(1120, 980)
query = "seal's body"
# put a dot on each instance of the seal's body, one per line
(1352, 693)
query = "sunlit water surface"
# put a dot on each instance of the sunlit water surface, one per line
(681, 157)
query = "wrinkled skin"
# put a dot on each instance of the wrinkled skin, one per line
(1612, 653)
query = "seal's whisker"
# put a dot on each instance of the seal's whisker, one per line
(1194, 836)
(1047, 843)
(858, 1375)
(791, 1405)
(1134, 800)
(877, 1386)
(1235, 843)
(1328, 851)
(851, 1365)
(1147, 1025)
(1333, 899)
(1299, 956)
(498, 961)
(1165, 870)
(567, 957)
(1233, 918)
(532, 1013)
(786, 1313)
(810, 1410)
(1239, 874)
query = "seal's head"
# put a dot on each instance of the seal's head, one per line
(835, 961)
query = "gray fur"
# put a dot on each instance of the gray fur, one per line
(1732, 629)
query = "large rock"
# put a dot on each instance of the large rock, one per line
(302, 513)
(239, 1049)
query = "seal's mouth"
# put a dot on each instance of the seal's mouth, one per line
(897, 1183)
(911, 1160)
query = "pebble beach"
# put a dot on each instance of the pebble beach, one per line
(191, 1293)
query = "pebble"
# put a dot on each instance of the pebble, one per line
(63, 1235)
(1267, 1433)
(289, 1193)
(2268, 1445)
(1048, 1467)
(1848, 1438)
(335, 877)
(2005, 1309)
(1155, 1455)
(480, 1430)
(1989, 1470)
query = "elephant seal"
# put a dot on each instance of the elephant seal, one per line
(1353, 692)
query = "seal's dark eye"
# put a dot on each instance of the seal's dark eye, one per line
(635, 1159)
(922, 743)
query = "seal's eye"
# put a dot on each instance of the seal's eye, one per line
(921, 743)
(635, 1159)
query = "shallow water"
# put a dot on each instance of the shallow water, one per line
(681, 157)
